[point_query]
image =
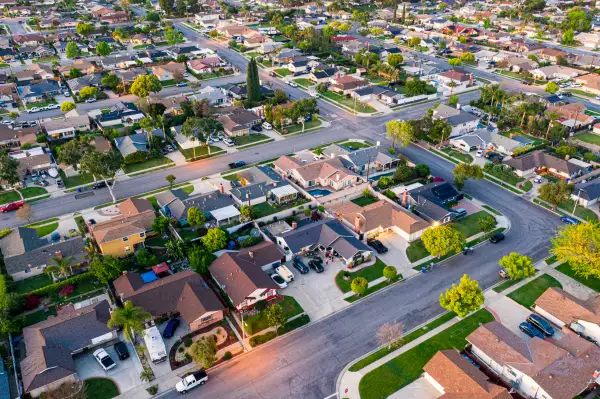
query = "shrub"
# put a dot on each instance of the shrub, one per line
(422, 170)
(292, 325)
(180, 349)
(260, 306)
(391, 195)
(227, 356)
(261, 339)
(55, 288)
(152, 390)
(66, 290)
(32, 302)
(385, 182)
(187, 341)
(83, 229)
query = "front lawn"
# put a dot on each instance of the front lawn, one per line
(47, 229)
(469, 225)
(416, 251)
(364, 201)
(75, 181)
(150, 163)
(349, 102)
(505, 285)
(590, 282)
(355, 145)
(40, 104)
(9, 196)
(314, 123)
(580, 211)
(589, 138)
(101, 388)
(527, 294)
(466, 158)
(30, 192)
(306, 83)
(283, 72)
(250, 138)
(407, 367)
(201, 152)
(259, 322)
(30, 284)
(370, 273)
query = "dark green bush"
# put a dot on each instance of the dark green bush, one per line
(227, 356)
(54, 288)
(261, 339)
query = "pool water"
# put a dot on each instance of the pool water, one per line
(319, 192)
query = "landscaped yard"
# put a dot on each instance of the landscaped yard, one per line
(407, 367)
(259, 322)
(101, 388)
(249, 139)
(591, 282)
(469, 225)
(364, 201)
(283, 72)
(589, 138)
(47, 229)
(30, 284)
(527, 294)
(201, 152)
(582, 212)
(314, 123)
(266, 209)
(370, 273)
(36, 317)
(75, 181)
(304, 82)
(416, 251)
(150, 163)
(9, 196)
(30, 192)
(466, 158)
(505, 285)
(354, 145)
(349, 102)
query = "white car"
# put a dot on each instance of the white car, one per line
(267, 126)
(479, 153)
(229, 142)
(104, 359)
(53, 106)
(315, 95)
(293, 84)
(7, 122)
(90, 100)
(33, 109)
(278, 280)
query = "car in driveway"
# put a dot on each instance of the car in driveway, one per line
(460, 212)
(541, 324)
(104, 359)
(171, 327)
(531, 330)
(316, 266)
(284, 273)
(122, 351)
(496, 238)
(569, 220)
(377, 246)
(300, 266)
(277, 279)
(257, 128)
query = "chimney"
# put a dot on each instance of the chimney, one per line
(337, 176)
(221, 188)
(357, 224)
(294, 225)
(251, 254)
(58, 254)
(404, 197)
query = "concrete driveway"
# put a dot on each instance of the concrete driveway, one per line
(396, 254)
(126, 375)
(418, 389)
(165, 367)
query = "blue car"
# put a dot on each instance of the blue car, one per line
(541, 324)
(531, 330)
(569, 220)
(300, 266)
(170, 328)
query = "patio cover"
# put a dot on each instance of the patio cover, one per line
(148, 277)
(284, 191)
(225, 213)
(160, 268)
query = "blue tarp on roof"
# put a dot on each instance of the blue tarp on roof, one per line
(148, 277)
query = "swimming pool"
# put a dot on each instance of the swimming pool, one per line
(319, 192)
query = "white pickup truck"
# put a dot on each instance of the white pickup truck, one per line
(191, 381)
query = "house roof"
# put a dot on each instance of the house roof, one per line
(328, 168)
(456, 75)
(136, 217)
(461, 379)
(537, 159)
(285, 162)
(185, 292)
(177, 203)
(436, 191)
(567, 308)
(50, 343)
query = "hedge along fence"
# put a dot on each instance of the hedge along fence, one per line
(55, 288)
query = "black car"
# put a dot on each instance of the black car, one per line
(300, 266)
(531, 330)
(99, 184)
(121, 350)
(317, 259)
(170, 328)
(316, 266)
(491, 154)
(378, 246)
(541, 324)
(496, 238)
(237, 164)
(257, 128)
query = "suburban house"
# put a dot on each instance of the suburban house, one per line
(94, 80)
(554, 368)
(204, 65)
(66, 127)
(565, 310)
(379, 217)
(552, 54)
(461, 79)
(587, 194)
(39, 91)
(538, 161)
(346, 84)
(120, 114)
(556, 72)
(588, 39)
(330, 173)
(326, 234)
(10, 138)
(217, 207)
(363, 160)
(589, 83)
(33, 160)
(462, 122)
(185, 293)
(51, 344)
(241, 277)
(430, 201)
(83, 65)
(485, 139)
(260, 184)
(26, 255)
(133, 143)
(168, 71)
(453, 376)
(120, 235)
(322, 75)
(285, 164)
(239, 122)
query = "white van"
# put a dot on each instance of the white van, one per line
(285, 273)
(267, 126)
(155, 344)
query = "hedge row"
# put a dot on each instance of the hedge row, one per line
(261, 339)
(54, 288)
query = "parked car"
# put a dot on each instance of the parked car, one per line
(33, 109)
(59, 182)
(122, 351)
(377, 245)
(237, 164)
(285, 273)
(12, 206)
(67, 94)
(257, 128)
(272, 74)
(267, 126)
(278, 280)
(538, 179)
(41, 182)
(496, 238)
(53, 106)
(229, 142)
(316, 266)
(460, 212)
(181, 84)
(491, 154)
(479, 153)
(503, 273)
(300, 266)
(104, 359)
(569, 220)
(531, 330)
(170, 148)
(171, 327)
(541, 324)
(91, 100)
(99, 184)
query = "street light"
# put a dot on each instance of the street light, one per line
(576, 202)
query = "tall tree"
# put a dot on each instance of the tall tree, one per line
(72, 151)
(130, 318)
(200, 259)
(403, 13)
(180, 8)
(72, 50)
(463, 172)
(399, 132)
(67, 106)
(578, 245)
(143, 85)
(555, 193)
(192, 129)
(487, 224)
(275, 316)
(517, 266)
(441, 240)
(252, 82)
(106, 269)
(104, 166)
(215, 240)
(9, 171)
(84, 29)
(103, 49)
(61, 267)
(464, 298)
(166, 6)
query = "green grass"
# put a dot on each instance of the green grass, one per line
(527, 186)
(550, 260)
(294, 324)
(9, 196)
(30, 192)
(469, 225)
(140, 46)
(582, 93)
(466, 158)
(416, 251)
(349, 102)
(243, 147)
(370, 273)
(580, 211)
(201, 152)
(527, 294)
(150, 163)
(407, 367)
(48, 59)
(364, 201)
(304, 82)
(494, 211)
(589, 138)
(259, 322)
(36, 224)
(250, 138)
(75, 181)
(590, 282)
(188, 189)
(373, 357)
(40, 104)
(101, 388)
(313, 124)
(283, 72)
(30, 284)
(47, 229)
(505, 285)
(264, 209)
(36, 317)
(356, 144)
(371, 289)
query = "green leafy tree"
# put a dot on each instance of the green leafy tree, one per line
(72, 50)
(359, 285)
(175, 249)
(170, 179)
(414, 41)
(463, 172)
(453, 100)
(9, 171)
(404, 173)
(440, 130)
(275, 316)
(75, 73)
(13, 115)
(106, 269)
(395, 59)
(487, 224)
(555, 193)
(102, 165)
(246, 212)
(441, 240)
(60, 267)
(422, 170)
(551, 88)
(160, 224)
(196, 217)
(200, 259)
(253, 82)
(103, 49)
(215, 240)
(415, 87)
(173, 36)
(204, 351)
(464, 298)
(399, 132)
(578, 245)
(72, 151)
(390, 272)
(468, 57)
(130, 318)
(84, 29)
(192, 128)
(143, 85)
(145, 258)
(568, 37)
(455, 62)
(88, 92)
(111, 80)
(67, 106)
(517, 266)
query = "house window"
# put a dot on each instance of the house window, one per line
(206, 318)
(142, 235)
(125, 239)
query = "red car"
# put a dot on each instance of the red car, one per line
(13, 206)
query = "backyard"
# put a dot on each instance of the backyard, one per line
(266, 209)
(365, 200)
(30, 284)
(259, 322)
(527, 294)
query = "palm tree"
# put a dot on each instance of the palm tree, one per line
(62, 267)
(147, 375)
(552, 116)
(130, 318)
(452, 84)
